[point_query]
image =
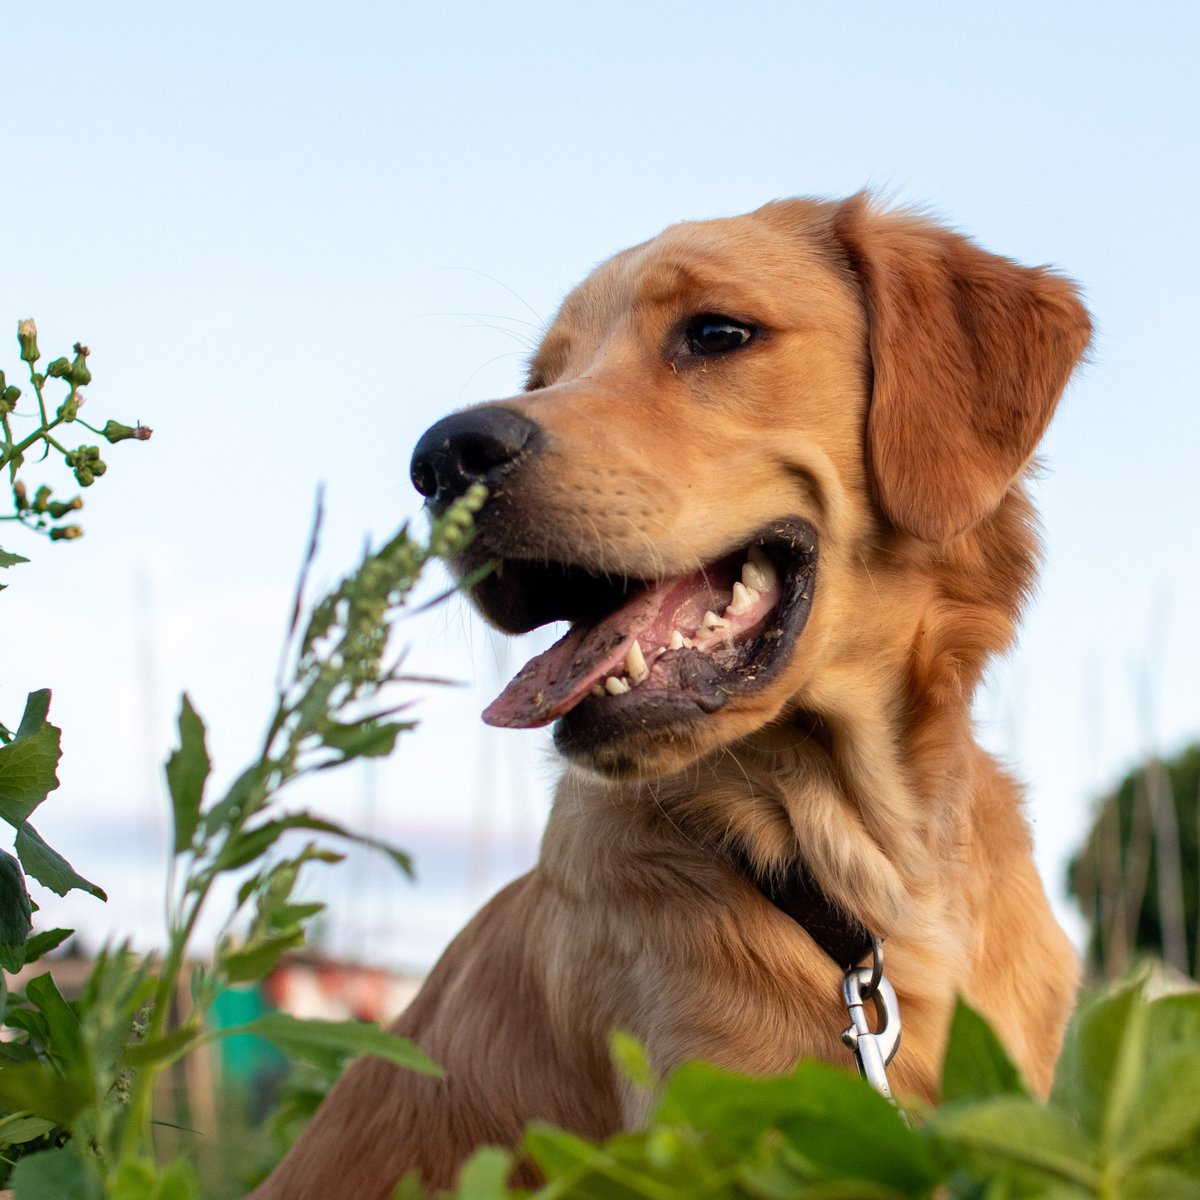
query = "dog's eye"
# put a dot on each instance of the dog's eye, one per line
(710, 334)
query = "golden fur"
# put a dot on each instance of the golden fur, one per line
(906, 380)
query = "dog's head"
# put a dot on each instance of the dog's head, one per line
(758, 460)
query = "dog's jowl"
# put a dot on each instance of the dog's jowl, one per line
(771, 471)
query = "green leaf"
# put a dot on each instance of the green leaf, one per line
(555, 1151)
(38, 1089)
(49, 867)
(633, 1060)
(976, 1064)
(65, 1040)
(187, 772)
(16, 1129)
(258, 958)
(1165, 1116)
(44, 942)
(37, 709)
(15, 913)
(28, 763)
(163, 1050)
(246, 794)
(253, 842)
(364, 739)
(1160, 1182)
(1099, 1073)
(55, 1175)
(836, 1121)
(10, 560)
(305, 1039)
(485, 1175)
(290, 916)
(1013, 1130)
(178, 1182)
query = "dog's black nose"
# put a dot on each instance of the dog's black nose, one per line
(476, 446)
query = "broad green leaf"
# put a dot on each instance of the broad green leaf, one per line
(178, 1182)
(55, 1175)
(300, 1039)
(139, 1179)
(633, 1060)
(976, 1064)
(258, 958)
(28, 763)
(1160, 1182)
(10, 560)
(17, 1128)
(485, 1175)
(16, 916)
(1166, 1116)
(65, 1042)
(555, 1151)
(37, 709)
(49, 867)
(289, 916)
(834, 1120)
(365, 739)
(1021, 1132)
(246, 793)
(187, 772)
(163, 1050)
(1098, 1074)
(252, 842)
(38, 1089)
(44, 942)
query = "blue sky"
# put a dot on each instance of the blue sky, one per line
(294, 235)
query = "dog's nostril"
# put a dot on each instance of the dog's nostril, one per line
(424, 477)
(469, 447)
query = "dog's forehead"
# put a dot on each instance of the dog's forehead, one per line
(762, 266)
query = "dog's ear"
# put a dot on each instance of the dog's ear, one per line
(970, 353)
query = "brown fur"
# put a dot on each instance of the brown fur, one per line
(902, 384)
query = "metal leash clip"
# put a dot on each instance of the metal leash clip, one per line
(873, 1049)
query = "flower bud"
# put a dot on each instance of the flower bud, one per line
(59, 368)
(41, 499)
(59, 508)
(27, 336)
(8, 398)
(116, 432)
(20, 496)
(66, 533)
(79, 375)
(87, 464)
(70, 406)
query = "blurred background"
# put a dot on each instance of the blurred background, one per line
(294, 235)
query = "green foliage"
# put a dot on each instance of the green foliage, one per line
(1123, 1121)
(28, 774)
(41, 512)
(29, 758)
(1143, 849)
(78, 1079)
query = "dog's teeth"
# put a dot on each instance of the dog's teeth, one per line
(614, 685)
(635, 665)
(743, 600)
(597, 690)
(711, 621)
(759, 572)
(677, 640)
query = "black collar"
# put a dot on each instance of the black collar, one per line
(841, 936)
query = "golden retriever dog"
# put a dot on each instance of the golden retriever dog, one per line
(771, 469)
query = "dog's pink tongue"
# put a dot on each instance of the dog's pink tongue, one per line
(552, 684)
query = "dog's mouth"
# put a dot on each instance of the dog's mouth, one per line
(641, 652)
